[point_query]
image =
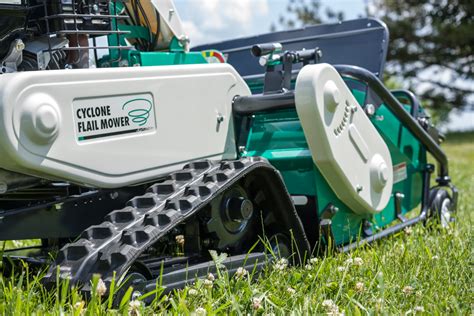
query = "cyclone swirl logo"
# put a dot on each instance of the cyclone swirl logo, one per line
(139, 110)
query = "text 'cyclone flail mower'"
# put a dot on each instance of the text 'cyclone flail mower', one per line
(133, 155)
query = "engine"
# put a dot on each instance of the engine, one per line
(57, 34)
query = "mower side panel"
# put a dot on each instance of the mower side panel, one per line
(110, 128)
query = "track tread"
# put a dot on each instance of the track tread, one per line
(126, 233)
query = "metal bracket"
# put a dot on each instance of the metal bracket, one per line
(367, 228)
(14, 57)
(325, 223)
(398, 206)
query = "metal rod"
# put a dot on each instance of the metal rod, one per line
(245, 105)
(384, 233)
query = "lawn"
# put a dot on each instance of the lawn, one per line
(419, 271)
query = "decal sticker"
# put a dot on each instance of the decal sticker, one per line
(97, 118)
(399, 172)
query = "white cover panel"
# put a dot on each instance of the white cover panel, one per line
(344, 144)
(189, 117)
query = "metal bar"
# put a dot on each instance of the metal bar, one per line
(72, 15)
(414, 101)
(67, 199)
(91, 47)
(384, 233)
(88, 32)
(263, 102)
(409, 122)
(178, 278)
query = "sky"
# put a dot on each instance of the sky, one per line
(209, 21)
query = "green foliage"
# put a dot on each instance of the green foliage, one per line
(306, 12)
(422, 270)
(431, 47)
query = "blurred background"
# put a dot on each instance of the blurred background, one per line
(430, 50)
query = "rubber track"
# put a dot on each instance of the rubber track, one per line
(125, 234)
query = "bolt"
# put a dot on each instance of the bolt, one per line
(206, 242)
(95, 7)
(19, 45)
(399, 195)
(241, 149)
(113, 195)
(359, 188)
(220, 118)
(370, 109)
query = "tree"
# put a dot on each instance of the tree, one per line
(431, 47)
(430, 50)
(303, 12)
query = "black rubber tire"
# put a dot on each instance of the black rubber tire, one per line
(440, 207)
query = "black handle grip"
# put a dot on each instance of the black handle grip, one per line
(259, 50)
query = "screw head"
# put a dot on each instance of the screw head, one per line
(370, 109)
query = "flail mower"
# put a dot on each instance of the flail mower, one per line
(127, 153)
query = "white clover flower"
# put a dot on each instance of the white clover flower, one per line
(331, 307)
(200, 311)
(241, 272)
(409, 230)
(134, 307)
(419, 294)
(211, 277)
(358, 261)
(291, 290)
(341, 269)
(308, 267)
(208, 284)
(101, 288)
(256, 303)
(435, 257)
(349, 261)
(359, 287)
(407, 290)
(419, 309)
(281, 264)
(328, 304)
(313, 260)
(193, 292)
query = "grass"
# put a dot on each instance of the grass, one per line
(419, 271)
